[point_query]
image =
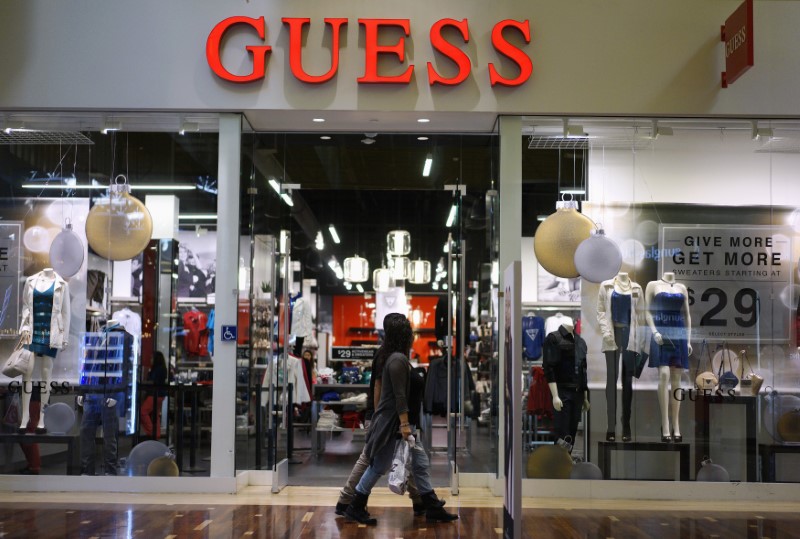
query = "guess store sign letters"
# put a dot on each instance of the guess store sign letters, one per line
(372, 51)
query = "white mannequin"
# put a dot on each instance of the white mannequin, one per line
(670, 408)
(557, 404)
(44, 281)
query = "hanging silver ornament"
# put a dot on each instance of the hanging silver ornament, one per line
(66, 252)
(598, 257)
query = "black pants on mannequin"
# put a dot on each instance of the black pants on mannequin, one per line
(298, 346)
(565, 422)
(621, 334)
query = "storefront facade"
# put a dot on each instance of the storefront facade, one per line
(594, 80)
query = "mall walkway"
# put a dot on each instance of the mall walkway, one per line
(308, 513)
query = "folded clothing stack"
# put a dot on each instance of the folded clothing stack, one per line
(354, 398)
(328, 420)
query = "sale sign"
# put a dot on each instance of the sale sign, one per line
(739, 279)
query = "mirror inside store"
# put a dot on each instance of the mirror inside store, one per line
(344, 229)
(108, 282)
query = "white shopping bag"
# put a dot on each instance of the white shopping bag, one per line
(401, 462)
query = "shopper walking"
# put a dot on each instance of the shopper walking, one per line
(392, 415)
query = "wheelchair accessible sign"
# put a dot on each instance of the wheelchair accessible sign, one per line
(229, 333)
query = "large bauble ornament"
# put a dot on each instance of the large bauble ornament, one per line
(559, 236)
(598, 258)
(119, 227)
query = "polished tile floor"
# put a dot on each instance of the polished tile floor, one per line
(296, 513)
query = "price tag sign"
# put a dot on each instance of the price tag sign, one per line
(352, 353)
(739, 279)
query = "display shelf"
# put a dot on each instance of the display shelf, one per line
(335, 387)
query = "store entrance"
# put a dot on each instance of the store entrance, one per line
(343, 259)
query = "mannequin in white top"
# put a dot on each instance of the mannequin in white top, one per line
(670, 322)
(44, 333)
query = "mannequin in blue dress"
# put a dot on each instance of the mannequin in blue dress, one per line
(671, 325)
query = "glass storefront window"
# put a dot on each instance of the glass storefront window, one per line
(690, 341)
(108, 275)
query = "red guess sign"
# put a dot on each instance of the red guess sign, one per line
(373, 50)
(737, 34)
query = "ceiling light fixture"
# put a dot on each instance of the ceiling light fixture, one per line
(192, 127)
(422, 138)
(452, 217)
(334, 234)
(275, 185)
(541, 217)
(197, 216)
(319, 241)
(348, 285)
(423, 120)
(398, 242)
(288, 199)
(573, 191)
(318, 120)
(12, 126)
(164, 187)
(325, 137)
(426, 169)
(360, 288)
(111, 126)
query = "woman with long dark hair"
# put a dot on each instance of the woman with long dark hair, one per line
(394, 413)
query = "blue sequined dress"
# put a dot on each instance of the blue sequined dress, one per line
(667, 312)
(42, 315)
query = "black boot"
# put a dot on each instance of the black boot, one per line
(419, 506)
(357, 510)
(434, 511)
(341, 508)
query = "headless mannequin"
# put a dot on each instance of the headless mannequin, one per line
(43, 363)
(670, 408)
(557, 404)
(619, 333)
(109, 402)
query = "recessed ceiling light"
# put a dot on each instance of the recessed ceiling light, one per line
(318, 120)
(422, 138)
(325, 137)
(423, 120)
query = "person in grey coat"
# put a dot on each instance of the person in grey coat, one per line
(392, 416)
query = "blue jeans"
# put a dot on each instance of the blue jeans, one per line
(95, 413)
(420, 468)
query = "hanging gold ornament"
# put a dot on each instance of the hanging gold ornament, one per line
(559, 236)
(119, 227)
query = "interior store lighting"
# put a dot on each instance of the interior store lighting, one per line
(541, 217)
(337, 269)
(356, 269)
(573, 191)
(12, 125)
(334, 234)
(319, 241)
(422, 138)
(423, 120)
(325, 137)
(360, 288)
(288, 199)
(275, 185)
(452, 217)
(420, 272)
(111, 126)
(401, 268)
(318, 120)
(382, 280)
(192, 127)
(398, 242)
(435, 285)
(426, 169)
(348, 285)
(197, 216)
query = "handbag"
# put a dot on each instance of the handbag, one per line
(400, 464)
(727, 380)
(639, 361)
(789, 426)
(19, 363)
(706, 379)
(750, 382)
(12, 415)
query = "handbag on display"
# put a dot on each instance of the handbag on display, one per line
(727, 380)
(789, 426)
(706, 379)
(639, 361)
(750, 382)
(19, 363)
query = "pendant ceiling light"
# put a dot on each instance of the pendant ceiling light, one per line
(356, 269)
(420, 272)
(119, 226)
(401, 268)
(399, 242)
(67, 252)
(559, 236)
(382, 280)
(598, 257)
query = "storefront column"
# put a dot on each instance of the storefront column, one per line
(223, 426)
(510, 238)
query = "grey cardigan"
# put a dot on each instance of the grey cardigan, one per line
(395, 386)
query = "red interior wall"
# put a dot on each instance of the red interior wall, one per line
(350, 326)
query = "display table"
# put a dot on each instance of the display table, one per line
(68, 439)
(604, 450)
(702, 427)
(768, 452)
